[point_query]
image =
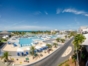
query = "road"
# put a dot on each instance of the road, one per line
(55, 58)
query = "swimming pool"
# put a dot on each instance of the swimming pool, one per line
(25, 42)
(30, 40)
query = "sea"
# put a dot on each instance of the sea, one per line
(27, 31)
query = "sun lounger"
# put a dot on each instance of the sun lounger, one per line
(18, 54)
(9, 42)
(35, 51)
(14, 45)
(27, 53)
(22, 54)
(41, 49)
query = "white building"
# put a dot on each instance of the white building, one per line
(83, 30)
(85, 43)
(55, 30)
(4, 34)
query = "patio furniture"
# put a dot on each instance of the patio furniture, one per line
(14, 45)
(9, 42)
(18, 54)
(23, 54)
(35, 51)
(27, 53)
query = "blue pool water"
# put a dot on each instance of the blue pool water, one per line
(28, 41)
(25, 41)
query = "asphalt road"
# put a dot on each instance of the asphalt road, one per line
(55, 58)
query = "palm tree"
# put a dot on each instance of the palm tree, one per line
(66, 36)
(55, 44)
(32, 49)
(78, 39)
(5, 56)
(72, 33)
(74, 57)
(62, 40)
(69, 36)
(58, 39)
(49, 46)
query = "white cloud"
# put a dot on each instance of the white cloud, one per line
(25, 27)
(86, 14)
(75, 11)
(46, 13)
(37, 13)
(58, 11)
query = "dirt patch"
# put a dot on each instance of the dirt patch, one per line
(68, 63)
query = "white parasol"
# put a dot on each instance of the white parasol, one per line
(19, 50)
(28, 48)
(37, 47)
(43, 45)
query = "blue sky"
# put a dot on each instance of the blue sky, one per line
(43, 14)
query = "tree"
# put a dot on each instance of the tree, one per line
(72, 33)
(58, 39)
(74, 57)
(62, 40)
(66, 36)
(49, 46)
(69, 36)
(78, 39)
(5, 56)
(55, 45)
(32, 49)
